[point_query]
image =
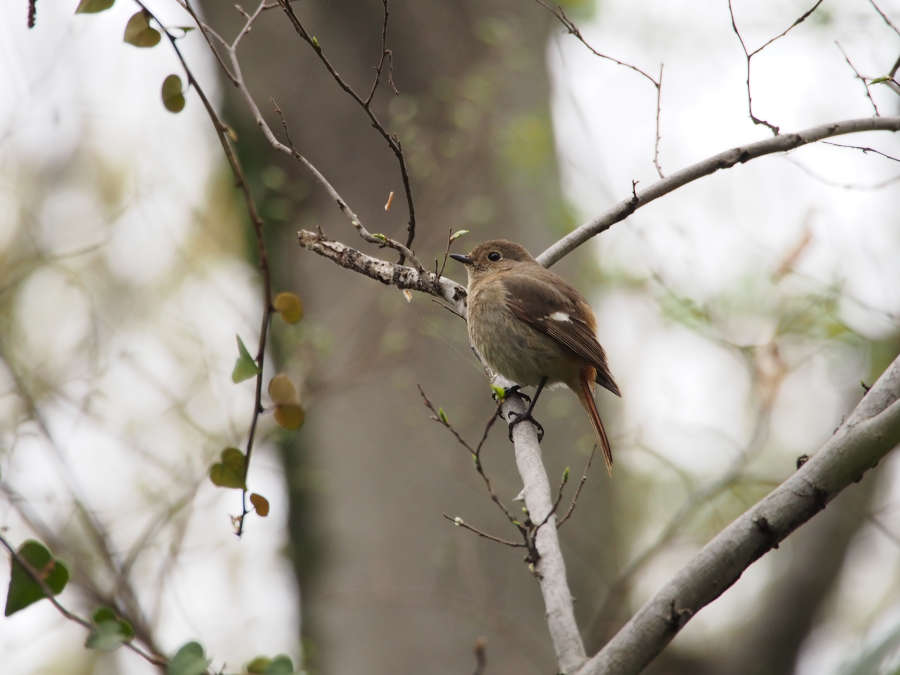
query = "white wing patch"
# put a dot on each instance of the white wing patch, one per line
(559, 316)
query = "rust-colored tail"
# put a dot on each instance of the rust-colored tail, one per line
(587, 400)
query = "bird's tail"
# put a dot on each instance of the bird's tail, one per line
(586, 396)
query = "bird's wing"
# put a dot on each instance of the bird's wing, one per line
(550, 309)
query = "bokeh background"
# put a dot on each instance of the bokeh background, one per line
(740, 314)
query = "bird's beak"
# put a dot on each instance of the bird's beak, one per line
(459, 257)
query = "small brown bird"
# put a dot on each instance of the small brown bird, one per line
(530, 326)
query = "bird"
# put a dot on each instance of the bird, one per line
(532, 327)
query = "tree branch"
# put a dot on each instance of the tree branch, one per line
(392, 274)
(722, 160)
(870, 433)
(550, 567)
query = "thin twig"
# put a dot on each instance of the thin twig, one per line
(656, 143)
(570, 26)
(863, 148)
(748, 55)
(475, 453)
(237, 77)
(223, 133)
(459, 522)
(71, 616)
(885, 17)
(385, 54)
(859, 77)
(365, 103)
(559, 495)
(561, 16)
(584, 475)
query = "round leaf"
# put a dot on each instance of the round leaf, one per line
(93, 6)
(138, 31)
(290, 415)
(288, 305)
(229, 472)
(260, 503)
(173, 94)
(109, 631)
(189, 660)
(23, 590)
(281, 390)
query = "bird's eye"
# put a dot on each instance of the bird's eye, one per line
(494, 256)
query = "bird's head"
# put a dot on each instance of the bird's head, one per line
(496, 255)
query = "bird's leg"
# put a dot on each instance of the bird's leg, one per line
(527, 414)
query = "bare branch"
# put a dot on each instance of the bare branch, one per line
(656, 163)
(459, 522)
(392, 274)
(722, 160)
(870, 433)
(885, 17)
(584, 475)
(859, 77)
(392, 140)
(570, 26)
(748, 55)
(550, 567)
(560, 15)
(237, 77)
(864, 149)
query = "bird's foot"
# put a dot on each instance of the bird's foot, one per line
(515, 389)
(522, 417)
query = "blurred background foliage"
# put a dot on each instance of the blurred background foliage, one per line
(741, 315)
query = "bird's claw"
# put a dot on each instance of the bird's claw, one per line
(522, 417)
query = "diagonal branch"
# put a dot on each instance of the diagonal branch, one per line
(722, 160)
(366, 104)
(392, 274)
(871, 432)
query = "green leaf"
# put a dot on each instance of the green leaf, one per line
(138, 31)
(245, 367)
(229, 473)
(93, 6)
(189, 660)
(288, 305)
(109, 631)
(443, 416)
(456, 235)
(23, 590)
(499, 392)
(280, 665)
(880, 80)
(173, 94)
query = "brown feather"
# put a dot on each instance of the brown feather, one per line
(587, 400)
(534, 301)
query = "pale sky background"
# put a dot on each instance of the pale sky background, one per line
(71, 83)
(713, 238)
